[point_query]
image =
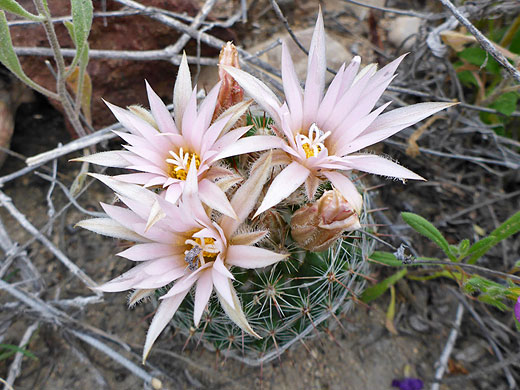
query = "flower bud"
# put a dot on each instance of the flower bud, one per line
(230, 92)
(316, 226)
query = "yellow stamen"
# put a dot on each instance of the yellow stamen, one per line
(309, 152)
(179, 166)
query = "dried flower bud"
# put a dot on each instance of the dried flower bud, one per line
(278, 229)
(230, 92)
(316, 226)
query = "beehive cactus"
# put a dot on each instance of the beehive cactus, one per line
(251, 237)
(288, 302)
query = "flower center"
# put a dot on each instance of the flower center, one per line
(202, 250)
(313, 144)
(179, 164)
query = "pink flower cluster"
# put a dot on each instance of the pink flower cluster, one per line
(188, 234)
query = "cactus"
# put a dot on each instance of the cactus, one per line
(288, 302)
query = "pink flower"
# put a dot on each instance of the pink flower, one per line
(161, 147)
(179, 243)
(323, 133)
(517, 309)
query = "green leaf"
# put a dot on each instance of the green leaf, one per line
(478, 56)
(7, 55)
(82, 13)
(463, 247)
(70, 28)
(15, 8)
(494, 302)
(385, 258)
(424, 227)
(12, 349)
(379, 289)
(506, 103)
(508, 228)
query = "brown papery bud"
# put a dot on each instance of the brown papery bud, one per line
(316, 226)
(230, 92)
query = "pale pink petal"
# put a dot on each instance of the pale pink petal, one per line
(173, 192)
(223, 286)
(235, 313)
(346, 188)
(251, 144)
(246, 256)
(202, 295)
(112, 158)
(329, 100)
(316, 68)
(380, 166)
(164, 314)
(138, 178)
(109, 227)
(149, 154)
(188, 130)
(149, 251)
(212, 134)
(122, 215)
(190, 196)
(161, 280)
(283, 185)
(214, 197)
(311, 185)
(162, 116)
(405, 117)
(230, 138)
(291, 88)
(349, 75)
(234, 112)
(249, 238)
(181, 91)
(128, 190)
(366, 102)
(124, 281)
(257, 90)
(207, 107)
(346, 103)
(246, 196)
(350, 131)
(394, 121)
(185, 282)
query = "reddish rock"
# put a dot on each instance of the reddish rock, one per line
(119, 81)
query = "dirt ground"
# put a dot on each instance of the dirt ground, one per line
(358, 353)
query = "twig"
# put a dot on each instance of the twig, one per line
(7, 202)
(166, 54)
(129, 365)
(448, 348)
(486, 44)
(201, 16)
(15, 368)
(464, 265)
(395, 10)
(283, 19)
(491, 341)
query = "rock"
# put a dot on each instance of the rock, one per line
(12, 93)
(337, 54)
(118, 81)
(401, 30)
(362, 12)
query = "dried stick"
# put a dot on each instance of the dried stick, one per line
(201, 16)
(395, 10)
(491, 341)
(15, 368)
(166, 54)
(7, 202)
(448, 348)
(486, 44)
(129, 365)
